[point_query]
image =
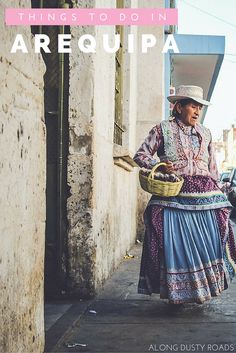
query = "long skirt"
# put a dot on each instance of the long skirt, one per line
(189, 250)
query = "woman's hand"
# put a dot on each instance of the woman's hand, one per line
(168, 168)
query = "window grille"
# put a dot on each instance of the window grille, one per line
(118, 128)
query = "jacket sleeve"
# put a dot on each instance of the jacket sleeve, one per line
(212, 162)
(144, 155)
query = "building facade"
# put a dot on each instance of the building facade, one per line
(229, 148)
(70, 125)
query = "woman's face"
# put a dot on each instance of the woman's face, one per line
(189, 113)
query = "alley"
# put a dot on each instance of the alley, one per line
(120, 320)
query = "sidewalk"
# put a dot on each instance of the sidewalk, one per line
(120, 320)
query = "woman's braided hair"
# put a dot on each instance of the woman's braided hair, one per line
(182, 102)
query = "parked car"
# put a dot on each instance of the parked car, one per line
(222, 184)
(230, 189)
(224, 175)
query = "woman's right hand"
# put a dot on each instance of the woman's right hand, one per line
(168, 168)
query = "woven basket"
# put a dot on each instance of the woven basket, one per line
(159, 187)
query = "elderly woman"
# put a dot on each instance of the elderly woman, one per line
(189, 250)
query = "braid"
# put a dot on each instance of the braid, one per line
(182, 102)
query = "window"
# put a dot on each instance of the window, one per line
(118, 128)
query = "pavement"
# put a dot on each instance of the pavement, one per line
(120, 320)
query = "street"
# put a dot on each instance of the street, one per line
(120, 320)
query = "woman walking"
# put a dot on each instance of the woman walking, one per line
(189, 250)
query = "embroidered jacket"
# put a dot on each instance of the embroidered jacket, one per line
(189, 148)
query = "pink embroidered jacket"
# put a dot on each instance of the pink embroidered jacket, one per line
(189, 148)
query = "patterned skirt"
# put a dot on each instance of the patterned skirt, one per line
(189, 249)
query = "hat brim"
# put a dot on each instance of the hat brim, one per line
(174, 99)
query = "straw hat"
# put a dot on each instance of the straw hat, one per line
(186, 91)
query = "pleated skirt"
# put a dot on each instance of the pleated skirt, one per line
(192, 268)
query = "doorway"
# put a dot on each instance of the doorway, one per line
(56, 88)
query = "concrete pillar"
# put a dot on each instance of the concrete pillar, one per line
(102, 205)
(150, 83)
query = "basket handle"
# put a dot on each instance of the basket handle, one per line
(151, 175)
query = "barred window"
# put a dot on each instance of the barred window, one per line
(118, 129)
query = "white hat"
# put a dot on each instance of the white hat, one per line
(185, 92)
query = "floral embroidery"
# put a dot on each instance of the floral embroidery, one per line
(201, 284)
(191, 155)
(152, 144)
(185, 145)
(198, 193)
(172, 144)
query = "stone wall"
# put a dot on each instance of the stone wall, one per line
(22, 178)
(102, 205)
(81, 242)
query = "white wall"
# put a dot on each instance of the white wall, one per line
(151, 90)
(22, 180)
(102, 206)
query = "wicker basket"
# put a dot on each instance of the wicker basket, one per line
(159, 187)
